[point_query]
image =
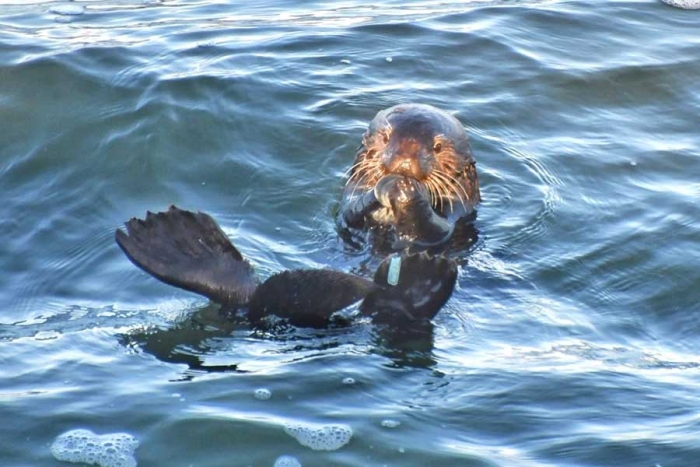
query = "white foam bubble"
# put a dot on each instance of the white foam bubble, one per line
(84, 446)
(685, 4)
(349, 381)
(287, 461)
(47, 335)
(67, 10)
(390, 423)
(262, 394)
(320, 437)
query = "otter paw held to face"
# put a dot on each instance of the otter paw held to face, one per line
(396, 190)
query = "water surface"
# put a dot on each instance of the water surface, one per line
(572, 336)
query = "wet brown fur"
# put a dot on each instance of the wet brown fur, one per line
(451, 175)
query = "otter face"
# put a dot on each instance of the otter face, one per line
(422, 143)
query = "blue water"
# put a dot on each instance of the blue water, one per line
(571, 338)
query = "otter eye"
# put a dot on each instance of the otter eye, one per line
(437, 147)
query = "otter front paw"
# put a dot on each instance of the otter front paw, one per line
(396, 190)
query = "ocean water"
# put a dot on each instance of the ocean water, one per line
(573, 335)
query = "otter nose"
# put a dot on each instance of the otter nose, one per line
(406, 157)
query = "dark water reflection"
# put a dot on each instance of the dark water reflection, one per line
(208, 333)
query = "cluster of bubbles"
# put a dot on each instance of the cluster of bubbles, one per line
(262, 394)
(320, 437)
(84, 446)
(287, 461)
(685, 4)
(390, 423)
(67, 9)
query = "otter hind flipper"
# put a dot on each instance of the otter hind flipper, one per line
(413, 287)
(307, 297)
(190, 251)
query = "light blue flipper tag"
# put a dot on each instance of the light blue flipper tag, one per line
(394, 270)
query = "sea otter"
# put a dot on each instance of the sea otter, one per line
(190, 251)
(413, 176)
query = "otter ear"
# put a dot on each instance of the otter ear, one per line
(414, 288)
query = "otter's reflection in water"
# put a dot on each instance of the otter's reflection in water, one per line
(410, 346)
(210, 341)
(187, 342)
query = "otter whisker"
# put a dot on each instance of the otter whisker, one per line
(459, 189)
(435, 196)
(441, 194)
(449, 198)
(357, 185)
(431, 192)
(439, 186)
(435, 192)
(361, 167)
(443, 188)
(450, 187)
(352, 167)
(446, 184)
(458, 184)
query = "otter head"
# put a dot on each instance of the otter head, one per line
(424, 144)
